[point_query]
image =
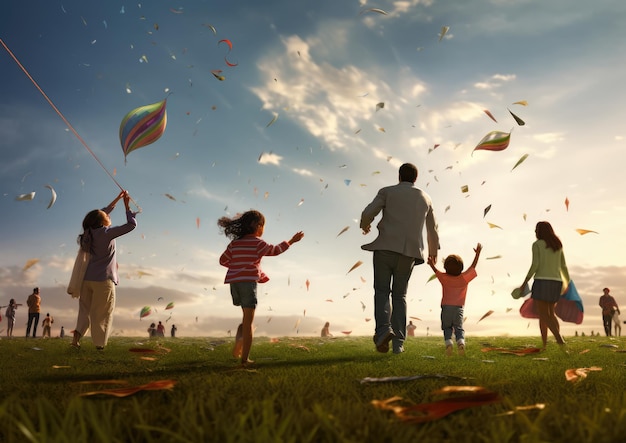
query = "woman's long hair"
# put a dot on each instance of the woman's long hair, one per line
(93, 220)
(544, 232)
(242, 225)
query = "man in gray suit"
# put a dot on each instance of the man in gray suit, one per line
(398, 247)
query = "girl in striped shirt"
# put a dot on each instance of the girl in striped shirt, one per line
(243, 257)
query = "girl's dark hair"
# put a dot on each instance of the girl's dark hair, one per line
(93, 220)
(453, 264)
(241, 225)
(544, 232)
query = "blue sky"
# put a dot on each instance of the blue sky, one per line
(321, 67)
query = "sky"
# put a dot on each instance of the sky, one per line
(327, 99)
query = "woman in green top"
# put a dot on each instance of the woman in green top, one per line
(549, 271)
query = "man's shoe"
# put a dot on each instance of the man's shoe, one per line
(398, 350)
(382, 343)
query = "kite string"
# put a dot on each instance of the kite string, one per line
(69, 125)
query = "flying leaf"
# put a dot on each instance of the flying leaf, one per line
(566, 204)
(520, 161)
(585, 231)
(216, 73)
(307, 283)
(444, 31)
(272, 120)
(487, 209)
(30, 263)
(380, 105)
(487, 314)
(492, 225)
(517, 119)
(170, 305)
(464, 188)
(354, 266)
(343, 230)
(490, 115)
(521, 102)
(53, 197)
(377, 10)
(25, 197)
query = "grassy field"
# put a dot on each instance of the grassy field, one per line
(307, 390)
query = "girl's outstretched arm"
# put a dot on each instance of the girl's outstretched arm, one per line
(296, 237)
(477, 250)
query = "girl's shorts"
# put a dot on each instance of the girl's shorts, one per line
(244, 294)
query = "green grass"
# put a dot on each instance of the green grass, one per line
(305, 390)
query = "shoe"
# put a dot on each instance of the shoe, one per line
(382, 343)
(398, 350)
(461, 349)
(449, 350)
(75, 345)
(100, 348)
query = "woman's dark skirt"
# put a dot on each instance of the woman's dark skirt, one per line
(547, 290)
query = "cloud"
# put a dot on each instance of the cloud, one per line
(549, 137)
(303, 172)
(325, 100)
(269, 158)
(495, 81)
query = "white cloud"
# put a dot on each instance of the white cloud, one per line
(549, 137)
(269, 158)
(303, 172)
(326, 100)
(495, 81)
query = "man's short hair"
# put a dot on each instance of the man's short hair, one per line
(408, 173)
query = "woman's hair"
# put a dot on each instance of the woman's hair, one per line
(453, 264)
(93, 220)
(12, 301)
(544, 232)
(241, 225)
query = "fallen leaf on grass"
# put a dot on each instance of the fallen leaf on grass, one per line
(407, 378)
(60, 367)
(538, 407)
(576, 375)
(425, 412)
(142, 350)
(102, 382)
(514, 351)
(125, 392)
